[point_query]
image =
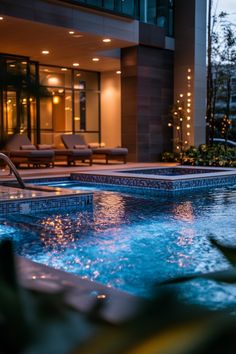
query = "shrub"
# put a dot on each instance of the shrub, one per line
(216, 155)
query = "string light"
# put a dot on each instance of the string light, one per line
(181, 115)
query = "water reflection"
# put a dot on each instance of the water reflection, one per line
(57, 231)
(184, 211)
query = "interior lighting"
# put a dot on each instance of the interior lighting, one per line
(45, 52)
(188, 133)
(118, 72)
(71, 32)
(189, 93)
(53, 80)
(63, 69)
(188, 126)
(75, 64)
(95, 59)
(189, 77)
(181, 95)
(189, 70)
(56, 99)
(1, 18)
(106, 40)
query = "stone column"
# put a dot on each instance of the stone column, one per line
(190, 53)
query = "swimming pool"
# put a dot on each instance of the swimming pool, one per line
(130, 241)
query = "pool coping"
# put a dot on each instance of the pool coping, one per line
(26, 201)
(223, 176)
(80, 293)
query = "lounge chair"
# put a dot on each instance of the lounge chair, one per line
(76, 140)
(21, 151)
(73, 153)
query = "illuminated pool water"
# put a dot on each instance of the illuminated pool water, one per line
(131, 241)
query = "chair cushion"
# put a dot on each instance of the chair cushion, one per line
(28, 147)
(30, 153)
(111, 151)
(80, 152)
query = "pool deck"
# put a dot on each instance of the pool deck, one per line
(80, 293)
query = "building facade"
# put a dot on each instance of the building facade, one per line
(109, 69)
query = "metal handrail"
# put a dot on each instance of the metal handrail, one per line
(13, 169)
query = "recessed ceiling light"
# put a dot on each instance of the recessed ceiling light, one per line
(75, 64)
(1, 18)
(95, 59)
(63, 69)
(71, 32)
(12, 65)
(24, 62)
(45, 52)
(106, 40)
(118, 72)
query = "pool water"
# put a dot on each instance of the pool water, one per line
(131, 241)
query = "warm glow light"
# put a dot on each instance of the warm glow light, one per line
(63, 69)
(189, 99)
(95, 59)
(75, 64)
(189, 93)
(106, 40)
(1, 18)
(55, 99)
(189, 70)
(188, 118)
(188, 133)
(71, 32)
(45, 52)
(118, 72)
(181, 95)
(188, 110)
(189, 77)
(188, 125)
(178, 128)
(53, 80)
(189, 105)
(169, 124)
(77, 118)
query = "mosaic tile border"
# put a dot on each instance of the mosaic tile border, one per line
(29, 206)
(156, 183)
